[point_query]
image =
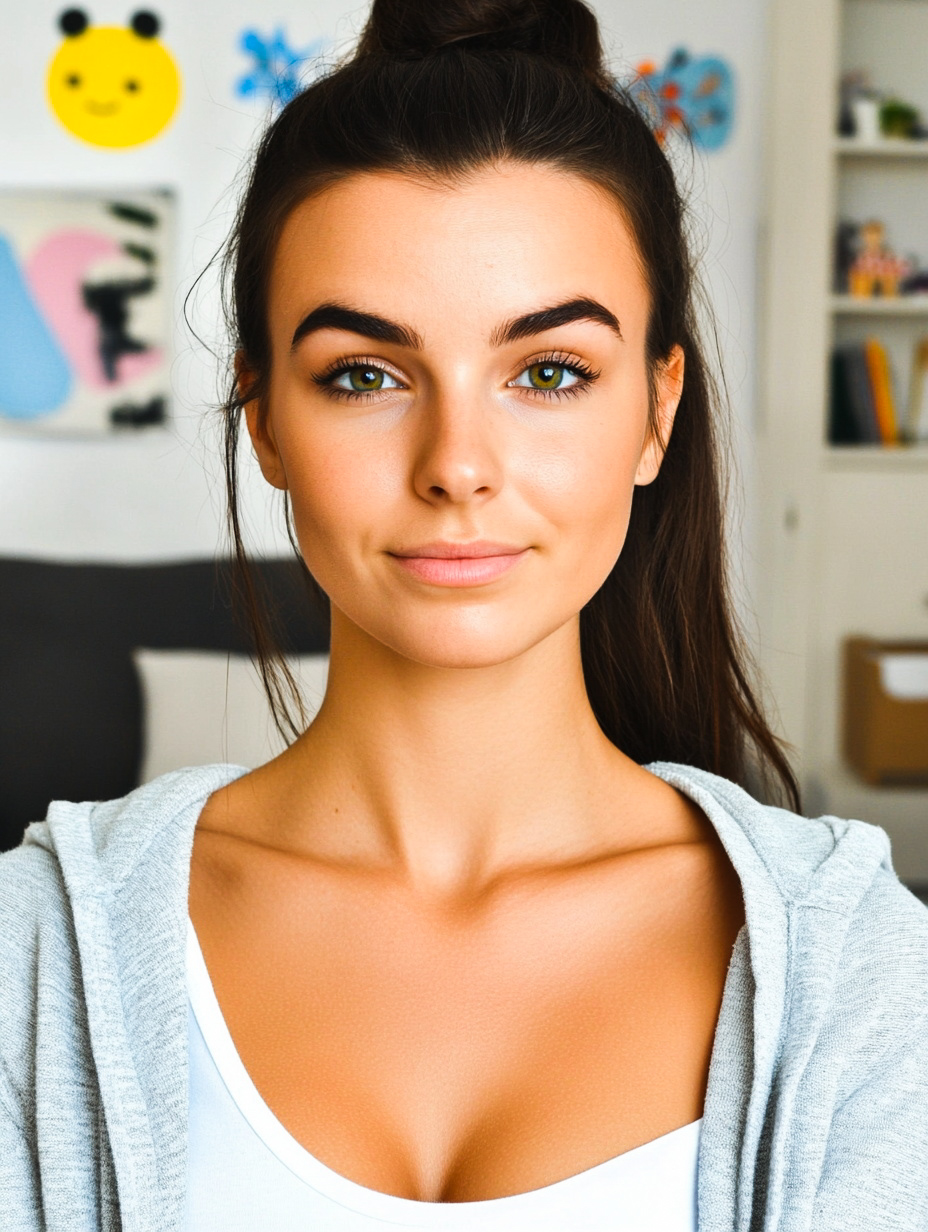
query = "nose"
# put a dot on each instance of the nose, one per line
(458, 455)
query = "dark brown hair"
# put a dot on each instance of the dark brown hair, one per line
(439, 89)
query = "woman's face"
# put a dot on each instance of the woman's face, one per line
(458, 403)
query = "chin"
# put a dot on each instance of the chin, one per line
(464, 641)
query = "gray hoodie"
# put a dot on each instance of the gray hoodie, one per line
(816, 1115)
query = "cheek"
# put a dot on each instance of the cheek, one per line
(342, 488)
(591, 518)
(589, 481)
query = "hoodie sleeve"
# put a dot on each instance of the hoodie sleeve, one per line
(20, 1206)
(21, 901)
(874, 1173)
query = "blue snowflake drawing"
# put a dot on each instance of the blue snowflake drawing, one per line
(278, 71)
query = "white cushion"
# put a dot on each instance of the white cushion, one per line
(203, 706)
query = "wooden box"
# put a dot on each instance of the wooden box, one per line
(886, 710)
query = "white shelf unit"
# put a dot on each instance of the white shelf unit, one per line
(875, 458)
(843, 529)
(893, 306)
(850, 147)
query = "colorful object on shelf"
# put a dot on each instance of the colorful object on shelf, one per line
(113, 86)
(84, 316)
(884, 404)
(876, 269)
(691, 97)
(278, 71)
(863, 261)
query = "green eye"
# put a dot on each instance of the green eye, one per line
(365, 380)
(546, 376)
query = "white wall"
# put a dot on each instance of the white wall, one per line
(157, 496)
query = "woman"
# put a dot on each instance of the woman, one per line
(499, 941)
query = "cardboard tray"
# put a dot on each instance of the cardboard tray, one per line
(886, 710)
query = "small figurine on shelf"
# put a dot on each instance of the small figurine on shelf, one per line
(876, 269)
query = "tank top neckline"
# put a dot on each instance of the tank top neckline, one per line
(351, 1194)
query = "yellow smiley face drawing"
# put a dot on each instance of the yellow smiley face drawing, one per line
(112, 86)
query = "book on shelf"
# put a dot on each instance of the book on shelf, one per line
(916, 427)
(881, 385)
(862, 408)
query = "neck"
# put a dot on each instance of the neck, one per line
(451, 776)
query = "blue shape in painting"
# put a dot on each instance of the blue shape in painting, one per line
(35, 377)
(695, 96)
(277, 70)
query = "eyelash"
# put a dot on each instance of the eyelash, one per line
(328, 378)
(585, 374)
(570, 363)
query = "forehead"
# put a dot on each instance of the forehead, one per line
(502, 238)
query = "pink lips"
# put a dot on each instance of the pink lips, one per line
(460, 564)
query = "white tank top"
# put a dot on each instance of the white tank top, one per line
(246, 1172)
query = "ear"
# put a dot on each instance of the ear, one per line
(259, 427)
(145, 24)
(73, 22)
(669, 391)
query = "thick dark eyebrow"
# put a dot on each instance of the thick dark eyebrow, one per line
(338, 316)
(532, 323)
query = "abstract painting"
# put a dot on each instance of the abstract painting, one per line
(85, 318)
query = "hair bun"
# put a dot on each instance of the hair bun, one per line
(563, 30)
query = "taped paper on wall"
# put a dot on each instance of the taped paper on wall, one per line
(278, 71)
(84, 311)
(690, 96)
(113, 86)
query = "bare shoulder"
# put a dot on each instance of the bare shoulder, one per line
(658, 815)
(238, 813)
(224, 843)
(710, 888)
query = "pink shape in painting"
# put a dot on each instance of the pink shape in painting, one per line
(56, 272)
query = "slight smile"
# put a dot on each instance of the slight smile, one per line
(459, 564)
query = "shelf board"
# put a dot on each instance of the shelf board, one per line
(876, 457)
(850, 147)
(896, 306)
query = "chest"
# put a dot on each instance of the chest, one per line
(464, 1058)
(245, 1171)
